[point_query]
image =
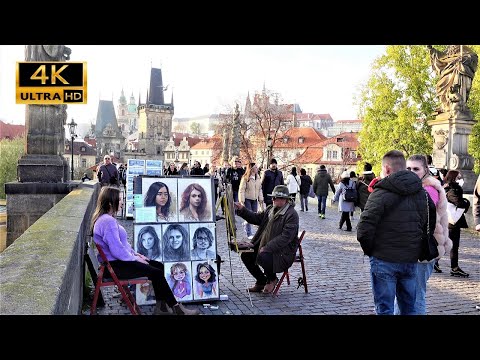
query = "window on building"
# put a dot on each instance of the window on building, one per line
(329, 154)
(84, 163)
(340, 139)
(353, 154)
(301, 140)
(335, 154)
(285, 139)
(83, 148)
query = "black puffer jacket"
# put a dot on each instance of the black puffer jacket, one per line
(394, 219)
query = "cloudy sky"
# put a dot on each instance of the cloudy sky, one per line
(208, 79)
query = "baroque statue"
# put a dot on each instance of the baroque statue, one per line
(455, 67)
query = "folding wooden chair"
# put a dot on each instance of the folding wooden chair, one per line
(302, 281)
(122, 285)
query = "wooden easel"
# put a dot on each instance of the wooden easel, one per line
(227, 201)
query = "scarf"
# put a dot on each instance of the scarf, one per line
(273, 214)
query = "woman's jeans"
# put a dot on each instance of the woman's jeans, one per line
(393, 279)
(251, 205)
(424, 270)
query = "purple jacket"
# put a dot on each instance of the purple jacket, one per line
(112, 237)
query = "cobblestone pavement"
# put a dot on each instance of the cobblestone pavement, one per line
(337, 275)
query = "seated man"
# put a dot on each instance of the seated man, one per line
(275, 242)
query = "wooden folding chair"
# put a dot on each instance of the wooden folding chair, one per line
(302, 281)
(122, 285)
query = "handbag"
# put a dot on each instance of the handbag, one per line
(454, 213)
(311, 193)
(429, 243)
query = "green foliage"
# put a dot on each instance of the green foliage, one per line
(399, 99)
(195, 128)
(10, 153)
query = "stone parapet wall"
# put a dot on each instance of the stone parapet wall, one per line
(43, 270)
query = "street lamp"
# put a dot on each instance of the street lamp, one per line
(269, 149)
(190, 159)
(72, 128)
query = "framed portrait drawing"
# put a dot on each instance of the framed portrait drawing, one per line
(144, 294)
(205, 280)
(202, 241)
(179, 278)
(175, 242)
(148, 240)
(195, 199)
(161, 194)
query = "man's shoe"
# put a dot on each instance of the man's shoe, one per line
(257, 288)
(270, 286)
(437, 269)
(179, 309)
(458, 272)
(348, 230)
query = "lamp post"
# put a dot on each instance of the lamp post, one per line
(190, 159)
(269, 144)
(72, 128)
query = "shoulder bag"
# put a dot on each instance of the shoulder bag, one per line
(454, 213)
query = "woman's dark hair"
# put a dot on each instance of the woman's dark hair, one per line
(180, 254)
(293, 171)
(352, 174)
(156, 251)
(303, 172)
(213, 275)
(451, 176)
(186, 198)
(346, 181)
(202, 230)
(150, 197)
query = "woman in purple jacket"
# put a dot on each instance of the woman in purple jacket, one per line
(127, 263)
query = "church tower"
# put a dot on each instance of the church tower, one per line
(154, 118)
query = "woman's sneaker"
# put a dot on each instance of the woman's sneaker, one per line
(458, 272)
(437, 269)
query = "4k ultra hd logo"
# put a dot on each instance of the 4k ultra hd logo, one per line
(48, 83)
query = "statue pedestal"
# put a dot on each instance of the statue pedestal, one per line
(450, 148)
(42, 168)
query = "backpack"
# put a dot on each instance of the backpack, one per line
(350, 194)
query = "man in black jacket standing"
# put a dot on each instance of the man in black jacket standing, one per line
(271, 178)
(390, 232)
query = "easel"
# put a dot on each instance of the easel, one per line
(227, 200)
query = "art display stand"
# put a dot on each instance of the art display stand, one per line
(233, 245)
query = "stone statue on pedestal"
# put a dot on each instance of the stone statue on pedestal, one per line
(455, 67)
(45, 128)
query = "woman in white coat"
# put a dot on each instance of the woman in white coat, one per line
(293, 183)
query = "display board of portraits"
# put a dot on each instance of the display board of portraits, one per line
(136, 167)
(176, 226)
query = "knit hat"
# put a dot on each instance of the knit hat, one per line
(273, 161)
(345, 175)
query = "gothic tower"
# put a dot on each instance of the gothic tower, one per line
(154, 118)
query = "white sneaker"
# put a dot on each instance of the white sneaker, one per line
(250, 237)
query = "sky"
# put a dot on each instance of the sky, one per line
(209, 79)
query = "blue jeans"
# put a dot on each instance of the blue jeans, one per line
(250, 205)
(322, 203)
(393, 279)
(424, 270)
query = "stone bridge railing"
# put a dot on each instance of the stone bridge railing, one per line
(42, 272)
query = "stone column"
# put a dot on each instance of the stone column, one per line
(450, 149)
(45, 144)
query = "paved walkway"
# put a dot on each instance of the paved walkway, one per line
(337, 275)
